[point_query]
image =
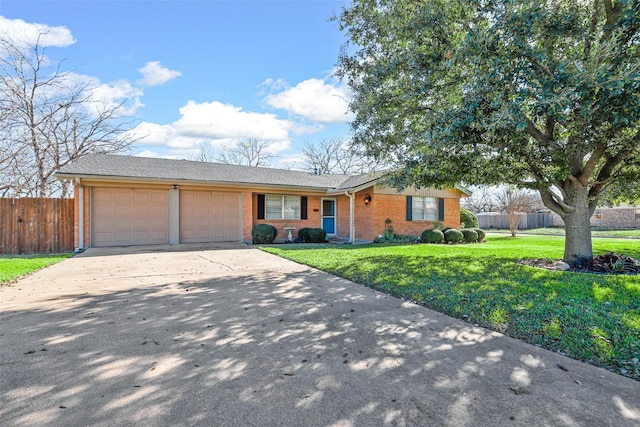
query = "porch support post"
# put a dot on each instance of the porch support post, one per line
(352, 234)
(174, 215)
(80, 247)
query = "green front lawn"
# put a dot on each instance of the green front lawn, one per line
(589, 317)
(12, 267)
(633, 233)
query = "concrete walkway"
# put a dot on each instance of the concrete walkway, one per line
(231, 336)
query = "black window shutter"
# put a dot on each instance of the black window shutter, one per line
(441, 209)
(303, 207)
(409, 208)
(260, 206)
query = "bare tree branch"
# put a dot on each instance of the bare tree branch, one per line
(245, 152)
(49, 120)
(334, 156)
(482, 199)
(516, 203)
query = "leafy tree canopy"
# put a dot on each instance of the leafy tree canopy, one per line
(540, 94)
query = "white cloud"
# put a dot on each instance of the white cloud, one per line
(317, 102)
(152, 134)
(313, 99)
(216, 120)
(28, 33)
(220, 125)
(114, 93)
(155, 74)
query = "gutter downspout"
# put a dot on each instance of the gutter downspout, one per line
(351, 215)
(80, 247)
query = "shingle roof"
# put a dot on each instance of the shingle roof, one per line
(359, 180)
(147, 168)
(115, 166)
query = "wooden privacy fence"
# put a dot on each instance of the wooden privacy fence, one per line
(527, 221)
(30, 225)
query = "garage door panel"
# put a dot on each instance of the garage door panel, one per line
(124, 216)
(209, 217)
(121, 223)
(157, 210)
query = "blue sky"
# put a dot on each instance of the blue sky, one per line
(203, 71)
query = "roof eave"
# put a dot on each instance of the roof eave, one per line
(352, 189)
(464, 190)
(150, 180)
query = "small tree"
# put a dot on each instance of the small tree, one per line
(517, 203)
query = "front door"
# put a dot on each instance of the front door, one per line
(329, 216)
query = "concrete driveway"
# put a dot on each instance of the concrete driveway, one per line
(231, 336)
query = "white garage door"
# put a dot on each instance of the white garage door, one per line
(207, 216)
(125, 217)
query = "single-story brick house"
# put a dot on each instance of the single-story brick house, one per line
(126, 200)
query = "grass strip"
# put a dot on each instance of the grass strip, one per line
(13, 267)
(633, 233)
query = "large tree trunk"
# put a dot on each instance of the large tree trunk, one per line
(577, 244)
(575, 209)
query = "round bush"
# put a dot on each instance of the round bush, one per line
(453, 236)
(432, 236)
(316, 235)
(469, 219)
(263, 233)
(438, 226)
(481, 234)
(470, 235)
(303, 234)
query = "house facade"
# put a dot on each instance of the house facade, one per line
(616, 217)
(126, 200)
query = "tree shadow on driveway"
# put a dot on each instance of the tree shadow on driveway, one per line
(281, 348)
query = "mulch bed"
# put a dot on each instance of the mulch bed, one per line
(609, 263)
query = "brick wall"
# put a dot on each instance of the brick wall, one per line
(342, 210)
(394, 207)
(616, 218)
(366, 216)
(248, 200)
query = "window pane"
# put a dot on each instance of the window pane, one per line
(291, 207)
(417, 208)
(424, 208)
(273, 207)
(327, 208)
(430, 208)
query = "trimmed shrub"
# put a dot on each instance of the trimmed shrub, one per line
(303, 234)
(469, 219)
(263, 233)
(438, 226)
(470, 235)
(453, 236)
(481, 234)
(312, 235)
(432, 236)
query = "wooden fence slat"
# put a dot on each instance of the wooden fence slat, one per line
(36, 225)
